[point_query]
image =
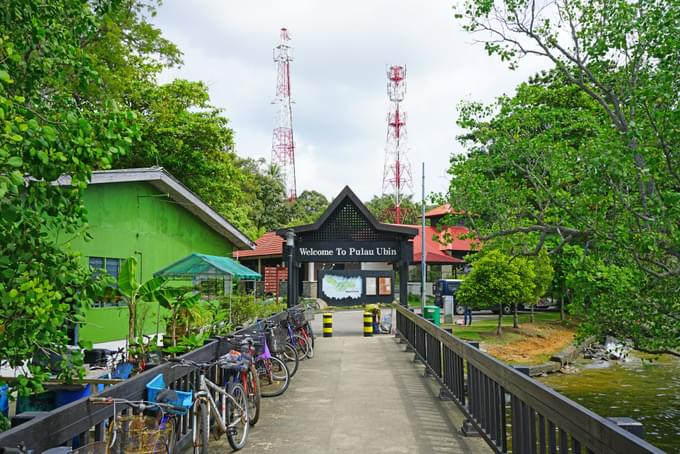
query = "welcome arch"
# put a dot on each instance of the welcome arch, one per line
(347, 232)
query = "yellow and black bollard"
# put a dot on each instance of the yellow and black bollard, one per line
(368, 324)
(327, 324)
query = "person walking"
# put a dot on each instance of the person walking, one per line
(467, 316)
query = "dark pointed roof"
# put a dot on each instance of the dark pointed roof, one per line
(347, 195)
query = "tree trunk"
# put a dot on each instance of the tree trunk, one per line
(132, 323)
(500, 320)
(515, 323)
(562, 307)
(531, 317)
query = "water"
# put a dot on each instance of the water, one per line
(646, 391)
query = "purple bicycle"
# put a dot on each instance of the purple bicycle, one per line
(272, 372)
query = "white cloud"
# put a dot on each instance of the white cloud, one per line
(338, 79)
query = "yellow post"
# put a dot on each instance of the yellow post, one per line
(327, 324)
(368, 324)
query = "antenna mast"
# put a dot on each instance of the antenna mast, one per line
(397, 180)
(283, 145)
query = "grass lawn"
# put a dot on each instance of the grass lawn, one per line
(528, 344)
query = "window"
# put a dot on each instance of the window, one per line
(112, 267)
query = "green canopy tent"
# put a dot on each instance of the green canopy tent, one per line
(202, 267)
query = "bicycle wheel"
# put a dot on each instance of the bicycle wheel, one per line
(237, 411)
(254, 398)
(203, 427)
(274, 376)
(170, 435)
(309, 347)
(310, 333)
(290, 357)
(302, 347)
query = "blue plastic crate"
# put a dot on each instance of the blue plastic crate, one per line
(155, 386)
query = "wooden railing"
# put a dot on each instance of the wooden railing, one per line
(86, 421)
(511, 411)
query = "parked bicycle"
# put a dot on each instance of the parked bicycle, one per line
(277, 341)
(298, 336)
(247, 374)
(272, 372)
(150, 429)
(230, 416)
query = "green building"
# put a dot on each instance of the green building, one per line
(148, 214)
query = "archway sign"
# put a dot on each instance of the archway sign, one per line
(348, 233)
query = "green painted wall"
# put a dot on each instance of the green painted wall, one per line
(127, 219)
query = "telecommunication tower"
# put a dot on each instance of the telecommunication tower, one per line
(283, 145)
(397, 180)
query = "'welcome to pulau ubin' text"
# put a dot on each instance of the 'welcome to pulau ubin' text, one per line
(339, 251)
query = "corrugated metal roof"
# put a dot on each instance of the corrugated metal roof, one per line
(165, 182)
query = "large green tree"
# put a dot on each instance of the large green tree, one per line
(585, 159)
(60, 113)
(183, 132)
(382, 207)
(496, 279)
(307, 207)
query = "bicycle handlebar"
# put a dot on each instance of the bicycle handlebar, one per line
(140, 405)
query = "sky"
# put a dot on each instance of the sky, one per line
(341, 52)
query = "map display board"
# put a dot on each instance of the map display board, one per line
(352, 287)
(342, 287)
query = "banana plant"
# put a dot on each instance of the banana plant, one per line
(180, 301)
(132, 292)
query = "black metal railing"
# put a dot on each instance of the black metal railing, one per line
(86, 422)
(511, 411)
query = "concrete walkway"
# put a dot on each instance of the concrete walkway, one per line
(358, 395)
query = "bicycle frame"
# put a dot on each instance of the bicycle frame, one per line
(204, 395)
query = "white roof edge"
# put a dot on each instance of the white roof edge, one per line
(163, 180)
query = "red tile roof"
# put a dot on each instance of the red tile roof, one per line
(441, 211)
(268, 245)
(436, 250)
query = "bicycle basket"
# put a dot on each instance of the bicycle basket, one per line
(276, 339)
(138, 434)
(309, 314)
(297, 319)
(157, 385)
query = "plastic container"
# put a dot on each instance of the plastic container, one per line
(155, 386)
(433, 314)
(4, 400)
(36, 402)
(70, 394)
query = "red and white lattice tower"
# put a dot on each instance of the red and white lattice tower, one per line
(283, 145)
(397, 179)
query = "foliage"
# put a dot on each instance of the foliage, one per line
(496, 279)
(57, 116)
(307, 208)
(382, 207)
(5, 423)
(182, 304)
(184, 133)
(134, 294)
(585, 159)
(243, 309)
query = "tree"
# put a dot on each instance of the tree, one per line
(133, 294)
(57, 117)
(543, 278)
(181, 131)
(308, 207)
(608, 193)
(382, 207)
(496, 279)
